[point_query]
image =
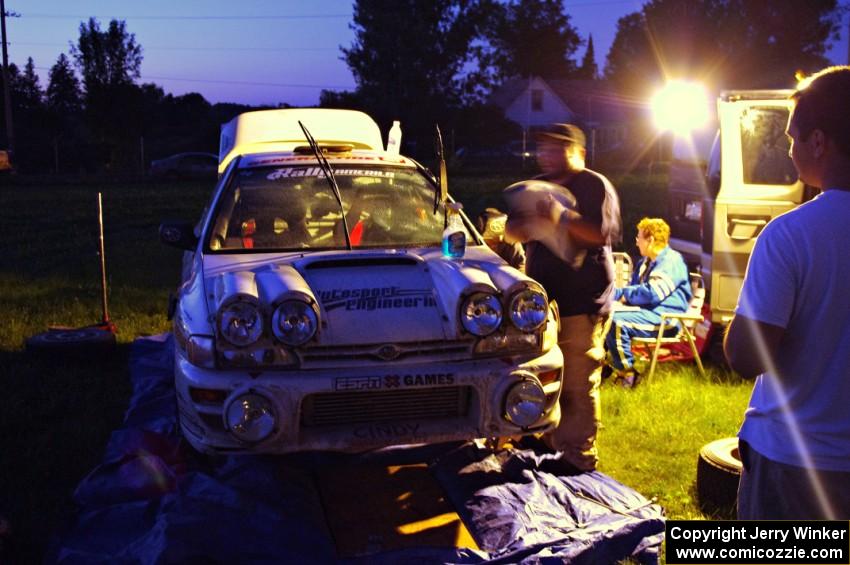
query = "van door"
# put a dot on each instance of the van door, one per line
(757, 183)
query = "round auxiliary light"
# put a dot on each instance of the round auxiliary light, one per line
(294, 322)
(481, 313)
(240, 323)
(524, 403)
(250, 417)
(528, 310)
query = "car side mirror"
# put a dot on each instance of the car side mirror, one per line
(179, 234)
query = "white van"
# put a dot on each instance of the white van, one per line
(720, 201)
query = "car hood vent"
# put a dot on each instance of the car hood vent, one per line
(361, 262)
(376, 300)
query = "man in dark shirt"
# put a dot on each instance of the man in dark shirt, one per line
(582, 288)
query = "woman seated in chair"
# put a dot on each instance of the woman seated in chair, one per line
(660, 284)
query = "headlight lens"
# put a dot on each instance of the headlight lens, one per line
(509, 342)
(481, 313)
(524, 403)
(528, 309)
(241, 323)
(200, 351)
(294, 322)
(250, 417)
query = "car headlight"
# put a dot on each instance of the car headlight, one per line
(525, 402)
(200, 351)
(250, 417)
(500, 343)
(481, 313)
(278, 357)
(528, 309)
(294, 322)
(240, 323)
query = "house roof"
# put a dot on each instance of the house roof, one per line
(508, 91)
(595, 101)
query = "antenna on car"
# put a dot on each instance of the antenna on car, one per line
(329, 174)
(441, 196)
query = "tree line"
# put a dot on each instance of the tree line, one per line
(420, 61)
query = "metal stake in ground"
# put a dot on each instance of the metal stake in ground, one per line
(88, 340)
(105, 322)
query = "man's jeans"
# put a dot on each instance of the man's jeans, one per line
(770, 490)
(575, 437)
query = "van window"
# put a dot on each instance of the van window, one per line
(712, 174)
(764, 147)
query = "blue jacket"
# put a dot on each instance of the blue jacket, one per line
(661, 285)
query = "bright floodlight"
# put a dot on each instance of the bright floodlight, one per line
(680, 107)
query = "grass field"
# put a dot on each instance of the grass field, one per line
(55, 419)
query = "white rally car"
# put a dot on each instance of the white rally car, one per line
(311, 319)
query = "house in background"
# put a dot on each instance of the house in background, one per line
(607, 119)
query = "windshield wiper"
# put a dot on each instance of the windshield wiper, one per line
(441, 191)
(329, 174)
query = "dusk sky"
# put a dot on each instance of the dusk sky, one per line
(251, 51)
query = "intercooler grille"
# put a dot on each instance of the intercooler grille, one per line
(345, 408)
(432, 350)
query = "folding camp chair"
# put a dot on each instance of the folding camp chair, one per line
(622, 276)
(685, 321)
(622, 269)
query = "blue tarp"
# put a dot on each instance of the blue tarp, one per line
(151, 501)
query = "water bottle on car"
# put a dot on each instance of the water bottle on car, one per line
(454, 236)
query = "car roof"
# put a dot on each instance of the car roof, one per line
(280, 130)
(355, 157)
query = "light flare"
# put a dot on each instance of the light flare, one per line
(680, 107)
(791, 421)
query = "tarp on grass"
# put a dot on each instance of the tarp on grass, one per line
(152, 501)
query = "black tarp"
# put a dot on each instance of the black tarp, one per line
(153, 501)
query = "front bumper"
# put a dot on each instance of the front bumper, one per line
(359, 408)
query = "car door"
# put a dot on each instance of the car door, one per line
(757, 183)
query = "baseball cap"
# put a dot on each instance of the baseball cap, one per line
(563, 133)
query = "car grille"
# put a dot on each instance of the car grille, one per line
(415, 351)
(343, 408)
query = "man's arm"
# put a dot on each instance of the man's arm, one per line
(751, 346)
(585, 234)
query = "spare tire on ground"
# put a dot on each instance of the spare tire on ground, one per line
(718, 473)
(71, 342)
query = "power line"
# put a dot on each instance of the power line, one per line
(569, 4)
(176, 48)
(237, 82)
(234, 17)
(247, 83)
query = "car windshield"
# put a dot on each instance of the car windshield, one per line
(293, 208)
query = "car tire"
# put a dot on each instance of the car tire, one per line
(71, 342)
(718, 473)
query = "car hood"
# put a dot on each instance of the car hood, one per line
(367, 297)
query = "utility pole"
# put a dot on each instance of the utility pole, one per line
(10, 132)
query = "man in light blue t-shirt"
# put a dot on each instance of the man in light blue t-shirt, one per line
(791, 329)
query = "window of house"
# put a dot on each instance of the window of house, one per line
(536, 100)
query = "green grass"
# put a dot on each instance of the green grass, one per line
(651, 435)
(55, 419)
